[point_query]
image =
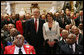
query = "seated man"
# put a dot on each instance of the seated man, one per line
(19, 47)
(71, 47)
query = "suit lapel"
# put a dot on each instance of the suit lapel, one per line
(26, 48)
(33, 26)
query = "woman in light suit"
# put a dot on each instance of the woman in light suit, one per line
(51, 33)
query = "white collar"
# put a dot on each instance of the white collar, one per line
(35, 19)
(18, 47)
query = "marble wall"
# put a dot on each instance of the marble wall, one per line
(44, 5)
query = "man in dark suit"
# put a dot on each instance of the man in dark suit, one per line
(67, 17)
(71, 47)
(13, 19)
(11, 37)
(79, 36)
(34, 32)
(58, 19)
(63, 37)
(79, 19)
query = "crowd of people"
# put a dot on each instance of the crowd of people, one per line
(58, 33)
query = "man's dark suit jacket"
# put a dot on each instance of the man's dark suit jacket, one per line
(65, 49)
(80, 40)
(77, 21)
(35, 39)
(61, 42)
(67, 20)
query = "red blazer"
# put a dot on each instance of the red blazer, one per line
(28, 49)
(19, 26)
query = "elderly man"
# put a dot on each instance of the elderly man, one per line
(67, 27)
(71, 47)
(13, 19)
(72, 18)
(34, 32)
(81, 28)
(63, 37)
(79, 36)
(11, 37)
(79, 19)
(67, 17)
(8, 27)
(18, 47)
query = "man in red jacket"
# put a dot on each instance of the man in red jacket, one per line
(18, 47)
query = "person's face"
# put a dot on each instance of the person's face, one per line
(81, 13)
(49, 18)
(13, 32)
(67, 12)
(6, 27)
(27, 16)
(36, 13)
(77, 14)
(71, 15)
(67, 27)
(70, 40)
(64, 35)
(10, 26)
(57, 14)
(43, 17)
(76, 31)
(19, 40)
(81, 26)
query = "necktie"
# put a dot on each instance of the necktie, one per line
(36, 25)
(20, 52)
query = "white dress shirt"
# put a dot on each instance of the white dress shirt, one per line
(52, 34)
(37, 23)
(73, 47)
(16, 51)
(77, 38)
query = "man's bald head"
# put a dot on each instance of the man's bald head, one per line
(19, 41)
(71, 38)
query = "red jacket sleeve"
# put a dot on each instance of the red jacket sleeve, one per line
(5, 51)
(33, 50)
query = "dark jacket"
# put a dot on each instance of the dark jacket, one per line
(35, 39)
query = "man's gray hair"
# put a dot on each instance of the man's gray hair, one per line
(64, 31)
(74, 36)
